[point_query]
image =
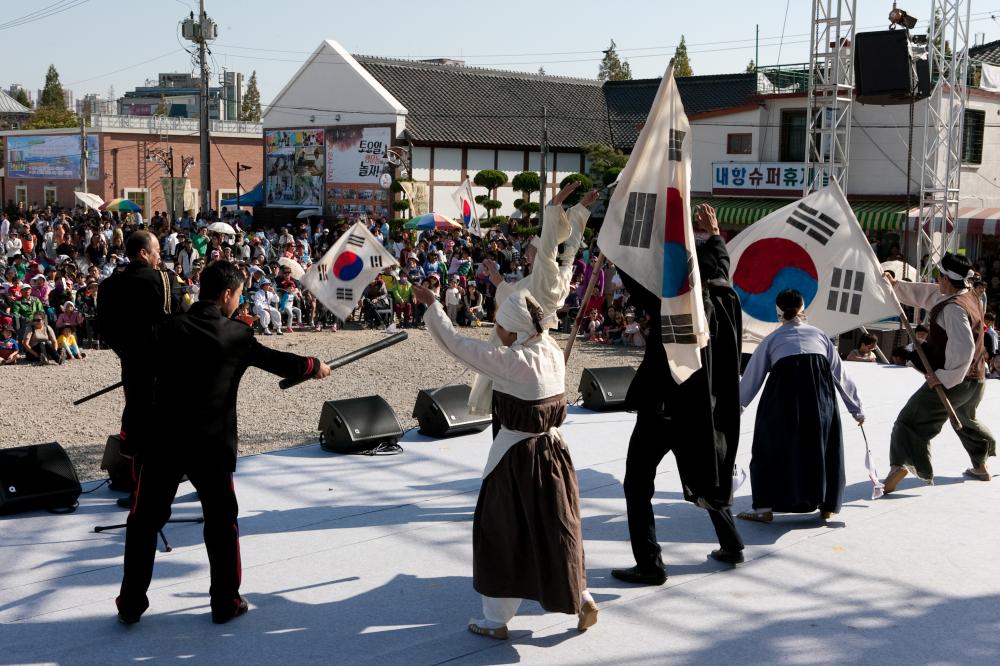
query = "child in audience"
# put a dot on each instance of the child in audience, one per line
(865, 353)
(66, 344)
(8, 343)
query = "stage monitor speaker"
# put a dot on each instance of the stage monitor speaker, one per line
(444, 412)
(884, 71)
(118, 467)
(39, 476)
(358, 424)
(604, 389)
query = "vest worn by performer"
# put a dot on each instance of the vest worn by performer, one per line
(937, 340)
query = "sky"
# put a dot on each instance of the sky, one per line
(95, 44)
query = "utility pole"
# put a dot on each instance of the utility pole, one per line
(83, 148)
(545, 165)
(201, 32)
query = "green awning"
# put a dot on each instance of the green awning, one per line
(873, 215)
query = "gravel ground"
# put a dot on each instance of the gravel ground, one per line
(36, 404)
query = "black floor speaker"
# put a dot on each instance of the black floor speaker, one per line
(358, 424)
(444, 412)
(39, 476)
(604, 389)
(118, 467)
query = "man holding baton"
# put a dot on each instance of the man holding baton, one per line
(957, 358)
(206, 448)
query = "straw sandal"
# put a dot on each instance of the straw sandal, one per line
(896, 474)
(754, 516)
(500, 633)
(588, 616)
(973, 473)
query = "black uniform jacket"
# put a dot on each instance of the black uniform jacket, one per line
(131, 303)
(704, 411)
(195, 399)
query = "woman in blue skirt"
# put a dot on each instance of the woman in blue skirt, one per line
(798, 448)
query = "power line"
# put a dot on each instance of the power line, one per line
(44, 12)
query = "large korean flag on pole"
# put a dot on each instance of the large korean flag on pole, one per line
(339, 278)
(647, 228)
(466, 203)
(816, 246)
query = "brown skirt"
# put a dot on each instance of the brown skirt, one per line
(526, 536)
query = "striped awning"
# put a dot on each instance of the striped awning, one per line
(971, 220)
(873, 215)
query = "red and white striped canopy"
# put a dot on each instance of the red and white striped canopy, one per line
(971, 220)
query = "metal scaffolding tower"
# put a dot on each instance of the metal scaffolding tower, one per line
(831, 89)
(943, 121)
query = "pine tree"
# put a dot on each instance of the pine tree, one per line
(22, 98)
(250, 112)
(612, 67)
(751, 67)
(161, 108)
(52, 93)
(682, 65)
(541, 71)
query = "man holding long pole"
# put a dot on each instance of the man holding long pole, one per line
(957, 361)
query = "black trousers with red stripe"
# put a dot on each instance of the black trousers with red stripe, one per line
(157, 486)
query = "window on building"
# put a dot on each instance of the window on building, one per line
(739, 144)
(793, 135)
(227, 194)
(140, 196)
(972, 136)
(21, 195)
(49, 195)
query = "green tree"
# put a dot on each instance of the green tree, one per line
(541, 71)
(526, 182)
(612, 67)
(52, 111)
(491, 179)
(751, 67)
(22, 98)
(682, 65)
(162, 109)
(52, 94)
(586, 183)
(250, 111)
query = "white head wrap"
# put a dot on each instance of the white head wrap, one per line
(514, 316)
(954, 265)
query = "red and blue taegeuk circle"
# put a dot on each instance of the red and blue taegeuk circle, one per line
(466, 212)
(347, 266)
(768, 267)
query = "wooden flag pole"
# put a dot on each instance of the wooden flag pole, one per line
(599, 266)
(952, 416)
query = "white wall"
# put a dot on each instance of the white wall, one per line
(478, 160)
(448, 164)
(709, 141)
(420, 160)
(511, 162)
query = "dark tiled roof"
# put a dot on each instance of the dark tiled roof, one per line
(449, 104)
(629, 101)
(986, 53)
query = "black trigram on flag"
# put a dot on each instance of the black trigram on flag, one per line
(676, 141)
(376, 261)
(324, 272)
(815, 224)
(637, 228)
(356, 240)
(677, 329)
(344, 294)
(846, 289)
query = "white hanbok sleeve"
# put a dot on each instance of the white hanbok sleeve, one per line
(755, 373)
(918, 294)
(845, 385)
(482, 356)
(960, 351)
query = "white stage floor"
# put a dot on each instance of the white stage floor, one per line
(353, 559)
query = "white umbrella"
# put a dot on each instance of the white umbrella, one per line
(297, 270)
(309, 212)
(221, 228)
(89, 200)
(900, 269)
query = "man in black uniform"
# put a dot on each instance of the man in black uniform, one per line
(130, 304)
(698, 420)
(222, 349)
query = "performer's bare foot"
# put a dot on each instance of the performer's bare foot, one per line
(588, 616)
(979, 472)
(756, 516)
(500, 633)
(896, 474)
(827, 515)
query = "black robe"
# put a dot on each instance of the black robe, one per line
(707, 405)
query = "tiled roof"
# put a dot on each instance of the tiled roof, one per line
(10, 105)
(468, 105)
(629, 101)
(986, 53)
(453, 104)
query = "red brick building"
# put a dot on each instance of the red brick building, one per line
(129, 157)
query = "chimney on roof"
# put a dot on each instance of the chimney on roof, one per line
(454, 62)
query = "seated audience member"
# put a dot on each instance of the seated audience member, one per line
(899, 356)
(920, 333)
(9, 347)
(595, 326)
(39, 341)
(632, 333)
(614, 325)
(472, 303)
(66, 343)
(865, 353)
(402, 300)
